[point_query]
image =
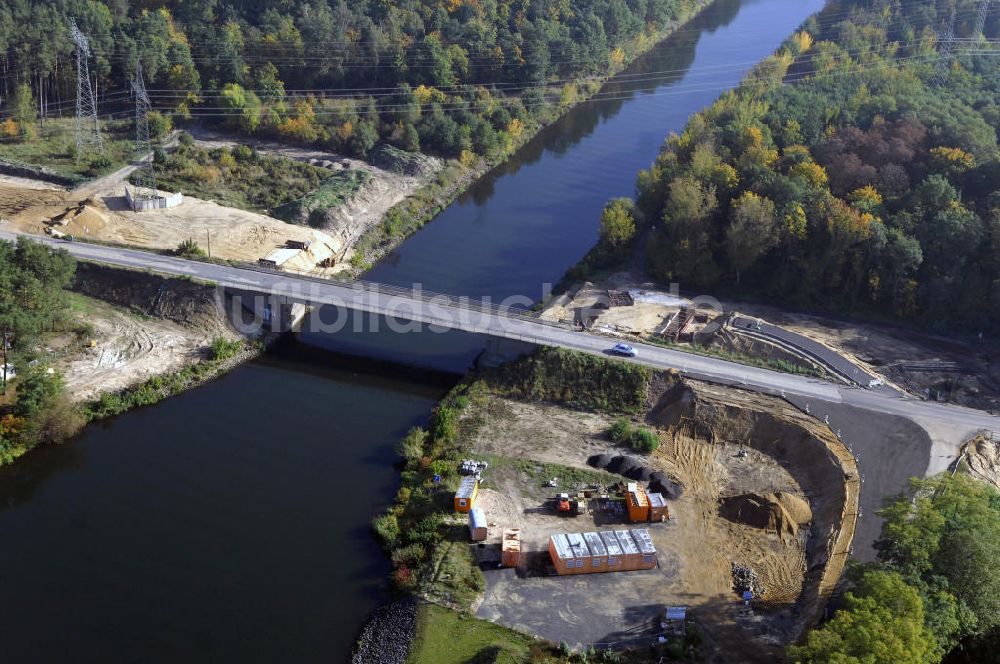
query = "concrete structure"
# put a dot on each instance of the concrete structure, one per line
(478, 528)
(465, 497)
(144, 204)
(510, 547)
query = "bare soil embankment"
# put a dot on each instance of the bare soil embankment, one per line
(140, 325)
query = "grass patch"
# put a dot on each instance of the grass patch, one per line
(332, 193)
(444, 636)
(578, 380)
(536, 474)
(740, 358)
(54, 151)
(240, 177)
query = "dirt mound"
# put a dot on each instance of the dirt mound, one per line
(676, 404)
(767, 512)
(83, 219)
(982, 456)
(664, 484)
(599, 461)
(623, 465)
(796, 506)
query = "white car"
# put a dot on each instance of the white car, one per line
(624, 350)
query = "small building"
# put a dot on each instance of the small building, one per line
(647, 550)
(631, 557)
(657, 507)
(569, 553)
(598, 552)
(478, 529)
(637, 502)
(614, 550)
(510, 548)
(465, 497)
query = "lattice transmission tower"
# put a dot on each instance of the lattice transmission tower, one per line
(946, 43)
(984, 8)
(144, 177)
(88, 130)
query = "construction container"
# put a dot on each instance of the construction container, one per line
(465, 497)
(647, 550)
(581, 552)
(477, 525)
(657, 507)
(510, 548)
(598, 552)
(569, 553)
(637, 502)
(630, 552)
(614, 550)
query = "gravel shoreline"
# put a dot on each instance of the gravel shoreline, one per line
(386, 636)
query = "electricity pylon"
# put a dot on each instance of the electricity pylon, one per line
(144, 176)
(88, 131)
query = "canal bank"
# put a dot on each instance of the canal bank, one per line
(232, 522)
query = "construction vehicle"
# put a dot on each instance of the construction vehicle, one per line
(567, 506)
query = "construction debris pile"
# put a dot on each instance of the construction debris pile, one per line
(745, 579)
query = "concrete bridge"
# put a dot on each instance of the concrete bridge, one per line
(282, 291)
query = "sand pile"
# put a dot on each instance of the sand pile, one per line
(82, 219)
(779, 513)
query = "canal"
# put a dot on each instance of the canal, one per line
(231, 523)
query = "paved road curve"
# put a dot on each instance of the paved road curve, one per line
(444, 312)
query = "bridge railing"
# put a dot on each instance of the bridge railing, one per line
(467, 303)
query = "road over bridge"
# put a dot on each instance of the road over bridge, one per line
(443, 312)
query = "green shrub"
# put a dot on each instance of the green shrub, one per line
(386, 528)
(223, 349)
(644, 440)
(621, 430)
(100, 164)
(186, 139)
(244, 153)
(189, 249)
(412, 445)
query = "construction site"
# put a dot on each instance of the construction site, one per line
(741, 522)
(856, 354)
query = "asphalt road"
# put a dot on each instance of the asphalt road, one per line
(442, 312)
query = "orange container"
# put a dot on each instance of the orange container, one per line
(630, 552)
(638, 503)
(510, 548)
(647, 551)
(466, 495)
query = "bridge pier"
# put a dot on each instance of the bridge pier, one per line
(500, 351)
(255, 312)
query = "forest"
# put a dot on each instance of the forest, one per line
(460, 78)
(855, 170)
